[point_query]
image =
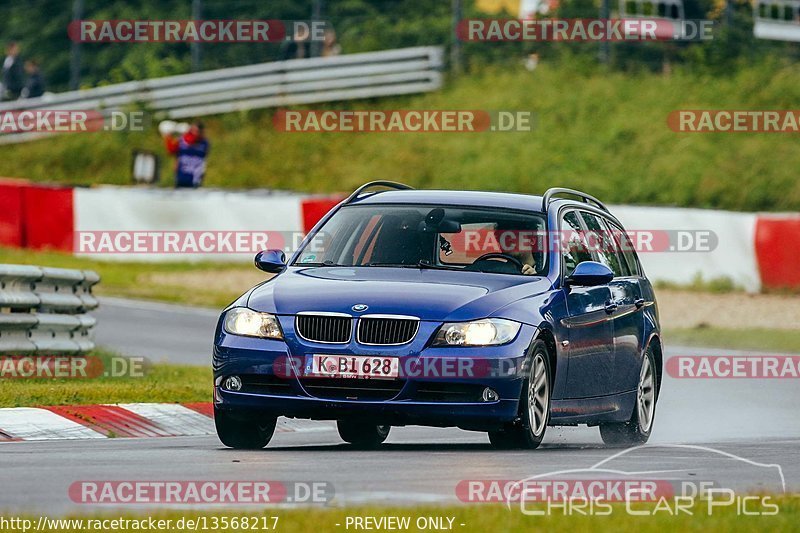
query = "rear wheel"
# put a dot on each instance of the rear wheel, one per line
(534, 402)
(244, 431)
(362, 434)
(637, 429)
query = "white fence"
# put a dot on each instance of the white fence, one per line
(279, 83)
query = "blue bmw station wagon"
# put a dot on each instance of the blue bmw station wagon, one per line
(494, 312)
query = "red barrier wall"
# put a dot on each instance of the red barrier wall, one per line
(777, 245)
(48, 218)
(316, 208)
(11, 212)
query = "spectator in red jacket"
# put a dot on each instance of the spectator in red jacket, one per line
(191, 150)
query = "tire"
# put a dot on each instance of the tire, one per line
(636, 430)
(534, 406)
(251, 433)
(361, 434)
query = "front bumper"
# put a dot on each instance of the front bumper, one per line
(440, 392)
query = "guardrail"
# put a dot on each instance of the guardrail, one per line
(278, 83)
(43, 310)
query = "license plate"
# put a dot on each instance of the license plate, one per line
(352, 366)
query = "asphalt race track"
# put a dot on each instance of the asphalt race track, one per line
(157, 331)
(697, 422)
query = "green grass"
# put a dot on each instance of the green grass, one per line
(498, 518)
(140, 280)
(765, 340)
(604, 132)
(699, 284)
(160, 382)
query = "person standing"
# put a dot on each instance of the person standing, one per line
(13, 76)
(190, 150)
(35, 85)
(330, 47)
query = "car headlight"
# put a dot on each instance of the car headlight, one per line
(485, 332)
(243, 321)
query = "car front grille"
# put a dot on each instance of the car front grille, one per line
(333, 329)
(386, 330)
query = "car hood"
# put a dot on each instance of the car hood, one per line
(428, 294)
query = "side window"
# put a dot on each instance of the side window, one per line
(626, 247)
(599, 241)
(575, 250)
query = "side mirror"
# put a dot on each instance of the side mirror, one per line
(272, 261)
(589, 274)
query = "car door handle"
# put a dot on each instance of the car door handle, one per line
(639, 303)
(611, 306)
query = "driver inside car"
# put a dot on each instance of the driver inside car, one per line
(510, 242)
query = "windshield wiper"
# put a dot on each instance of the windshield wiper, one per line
(421, 264)
(326, 263)
(386, 265)
(428, 265)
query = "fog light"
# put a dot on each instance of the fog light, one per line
(234, 383)
(489, 395)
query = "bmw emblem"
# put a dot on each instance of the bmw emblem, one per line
(360, 307)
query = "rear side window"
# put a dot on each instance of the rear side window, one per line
(610, 243)
(626, 249)
(601, 242)
(575, 249)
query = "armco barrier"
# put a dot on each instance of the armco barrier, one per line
(273, 84)
(44, 310)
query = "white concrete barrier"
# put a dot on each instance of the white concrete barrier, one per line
(135, 211)
(751, 250)
(732, 257)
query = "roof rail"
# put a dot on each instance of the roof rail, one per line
(551, 193)
(371, 184)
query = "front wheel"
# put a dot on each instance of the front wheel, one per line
(529, 431)
(242, 431)
(636, 430)
(362, 434)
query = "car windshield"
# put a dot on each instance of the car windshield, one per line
(429, 236)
